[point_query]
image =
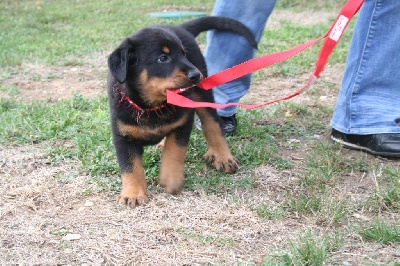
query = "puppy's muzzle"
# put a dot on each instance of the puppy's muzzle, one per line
(194, 76)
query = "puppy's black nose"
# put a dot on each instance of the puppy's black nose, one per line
(194, 76)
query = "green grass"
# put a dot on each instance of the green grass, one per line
(65, 121)
(386, 195)
(308, 249)
(267, 211)
(61, 32)
(381, 232)
(85, 124)
(207, 239)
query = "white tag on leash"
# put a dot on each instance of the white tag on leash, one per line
(339, 27)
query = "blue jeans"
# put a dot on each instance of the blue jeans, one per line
(369, 98)
(225, 49)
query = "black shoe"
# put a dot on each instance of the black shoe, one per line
(229, 124)
(386, 145)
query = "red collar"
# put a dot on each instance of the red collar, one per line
(139, 111)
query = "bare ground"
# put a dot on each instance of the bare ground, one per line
(40, 205)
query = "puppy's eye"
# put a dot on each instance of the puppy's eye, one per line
(164, 59)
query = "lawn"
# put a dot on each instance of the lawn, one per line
(297, 199)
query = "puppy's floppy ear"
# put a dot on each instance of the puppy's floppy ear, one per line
(119, 59)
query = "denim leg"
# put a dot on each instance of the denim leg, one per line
(225, 49)
(369, 97)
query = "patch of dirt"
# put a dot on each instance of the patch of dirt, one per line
(275, 87)
(302, 18)
(38, 82)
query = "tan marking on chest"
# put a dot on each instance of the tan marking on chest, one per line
(144, 132)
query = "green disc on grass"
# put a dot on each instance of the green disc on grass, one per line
(178, 14)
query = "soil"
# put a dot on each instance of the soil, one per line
(46, 218)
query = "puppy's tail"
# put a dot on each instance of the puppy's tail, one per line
(199, 25)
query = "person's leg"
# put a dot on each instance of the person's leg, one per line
(368, 102)
(225, 49)
(369, 98)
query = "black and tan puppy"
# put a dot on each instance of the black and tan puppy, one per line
(142, 68)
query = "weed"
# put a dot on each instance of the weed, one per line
(381, 232)
(307, 250)
(208, 239)
(11, 91)
(61, 232)
(270, 212)
(324, 164)
(6, 105)
(386, 195)
(305, 204)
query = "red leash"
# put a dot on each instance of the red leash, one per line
(332, 37)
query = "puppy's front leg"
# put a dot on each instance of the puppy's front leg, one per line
(172, 170)
(134, 188)
(218, 153)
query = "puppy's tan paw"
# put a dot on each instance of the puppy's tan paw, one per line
(132, 200)
(222, 162)
(172, 185)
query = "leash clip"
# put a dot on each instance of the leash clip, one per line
(139, 114)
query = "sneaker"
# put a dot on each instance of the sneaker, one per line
(386, 145)
(229, 124)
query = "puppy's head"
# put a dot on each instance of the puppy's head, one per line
(152, 61)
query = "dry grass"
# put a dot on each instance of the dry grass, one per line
(40, 205)
(39, 208)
